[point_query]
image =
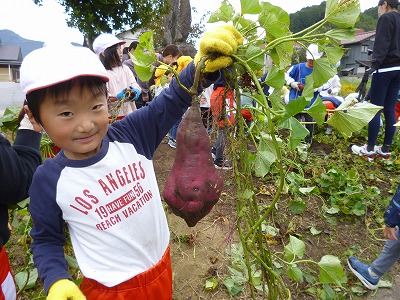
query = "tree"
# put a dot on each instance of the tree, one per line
(368, 19)
(97, 16)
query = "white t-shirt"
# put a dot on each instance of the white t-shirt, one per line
(120, 78)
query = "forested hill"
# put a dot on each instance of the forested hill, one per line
(312, 14)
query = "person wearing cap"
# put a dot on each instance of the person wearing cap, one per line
(385, 82)
(296, 78)
(17, 165)
(102, 185)
(121, 80)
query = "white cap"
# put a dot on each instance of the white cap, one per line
(54, 64)
(312, 52)
(105, 40)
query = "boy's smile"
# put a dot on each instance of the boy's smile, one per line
(76, 124)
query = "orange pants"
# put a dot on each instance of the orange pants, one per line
(7, 284)
(153, 284)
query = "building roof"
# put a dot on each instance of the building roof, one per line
(10, 54)
(359, 37)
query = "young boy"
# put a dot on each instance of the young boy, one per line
(17, 165)
(102, 184)
(369, 275)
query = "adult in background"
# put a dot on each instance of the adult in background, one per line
(296, 79)
(370, 275)
(385, 83)
(17, 165)
(145, 95)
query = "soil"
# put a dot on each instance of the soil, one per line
(199, 253)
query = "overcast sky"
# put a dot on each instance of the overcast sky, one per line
(48, 21)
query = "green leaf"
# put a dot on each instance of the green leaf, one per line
(282, 54)
(323, 71)
(328, 293)
(26, 279)
(331, 271)
(295, 248)
(315, 231)
(144, 56)
(249, 26)
(71, 261)
(250, 7)
(297, 131)
(340, 34)
(318, 111)
(224, 13)
(274, 20)
(332, 210)
(385, 284)
(211, 284)
(295, 273)
(307, 191)
(275, 78)
(269, 231)
(255, 57)
(9, 119)
(297, 206)
(276, 99)
(265, 157)
(343, 13)
(246, 194)
(232, 288)
(333, 54)
(353, 118)
(294, 107)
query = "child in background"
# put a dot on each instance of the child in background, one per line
(179, 62)
(369, 275)
(122, 82)
(17, 165)
(206, 115)
(223, 109)
(102, 184)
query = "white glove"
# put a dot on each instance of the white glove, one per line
(25, 123)
(294, 85)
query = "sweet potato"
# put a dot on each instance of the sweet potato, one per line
(194, 184)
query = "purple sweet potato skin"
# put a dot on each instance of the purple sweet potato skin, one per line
(194, 184)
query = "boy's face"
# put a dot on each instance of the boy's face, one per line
(76, 124)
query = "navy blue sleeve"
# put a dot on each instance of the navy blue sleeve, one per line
(392, 213)
(48, 227)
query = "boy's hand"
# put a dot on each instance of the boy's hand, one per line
(65, 289)
(221, 41)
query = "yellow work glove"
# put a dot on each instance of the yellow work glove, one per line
(65, 289)
(182, 62)
(221, 41)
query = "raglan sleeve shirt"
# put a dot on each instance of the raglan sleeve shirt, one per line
(110, 202)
